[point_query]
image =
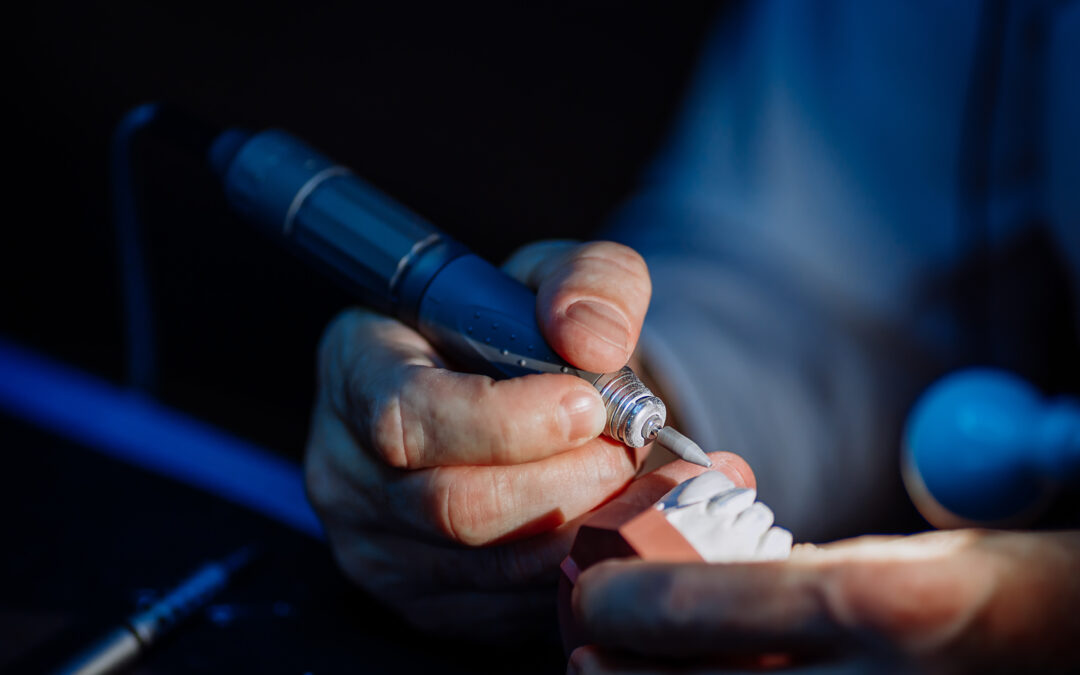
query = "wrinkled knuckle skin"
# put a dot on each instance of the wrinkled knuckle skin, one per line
(462, 516)
(507, 438)
(388, 436)
(440, 495)
(501, 436)
(902, 604)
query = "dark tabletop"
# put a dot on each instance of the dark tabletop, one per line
(85, 537)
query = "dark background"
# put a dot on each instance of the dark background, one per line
(500, 122)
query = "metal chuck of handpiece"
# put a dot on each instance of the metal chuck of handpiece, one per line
(636, 416)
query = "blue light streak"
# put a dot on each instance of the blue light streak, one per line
(133, 428)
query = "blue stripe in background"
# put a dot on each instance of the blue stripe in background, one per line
(133, 428)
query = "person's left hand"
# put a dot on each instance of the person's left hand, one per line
(951, 601)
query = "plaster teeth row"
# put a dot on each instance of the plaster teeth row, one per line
(703, 487)
(724, 523)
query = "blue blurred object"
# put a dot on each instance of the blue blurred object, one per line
(133, 428)
(984, 447)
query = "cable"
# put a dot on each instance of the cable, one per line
(140, 345)
(188, 133)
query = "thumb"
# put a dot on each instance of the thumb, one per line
(591, 299)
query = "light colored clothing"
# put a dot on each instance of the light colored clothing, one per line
(858, 197)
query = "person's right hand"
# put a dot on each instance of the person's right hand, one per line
(451, 496)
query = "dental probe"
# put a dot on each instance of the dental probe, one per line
(400, 265)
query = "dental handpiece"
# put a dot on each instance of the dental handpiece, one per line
(398, 264)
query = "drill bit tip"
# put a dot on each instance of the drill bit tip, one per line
(683, 447)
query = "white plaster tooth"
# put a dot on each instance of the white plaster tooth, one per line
(729, 545)
(739, 541)
(724, 523)
(742, 545)
(731, 503)
(686, 514)
(670, 500)
(714, 537)
(711, 551)
(695, 518)
(702, 532)
(757, 519)
(703, 487)
(699, 531)
(775, 544)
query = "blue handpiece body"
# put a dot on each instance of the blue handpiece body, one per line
(394, 261)
(487, 321)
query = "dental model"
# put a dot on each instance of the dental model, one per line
(704, 519)
(723, 523)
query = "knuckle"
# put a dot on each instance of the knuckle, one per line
(465, 514)
(495, 430)
(903, 603)
(388, 435)
(440, 497)
(501, 431)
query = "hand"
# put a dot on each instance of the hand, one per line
(954, 601)
(441, 492)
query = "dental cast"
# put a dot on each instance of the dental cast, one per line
(722, 522)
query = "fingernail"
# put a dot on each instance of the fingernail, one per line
(583, 415)
(601, 320)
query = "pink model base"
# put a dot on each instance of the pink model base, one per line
(617, 531)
